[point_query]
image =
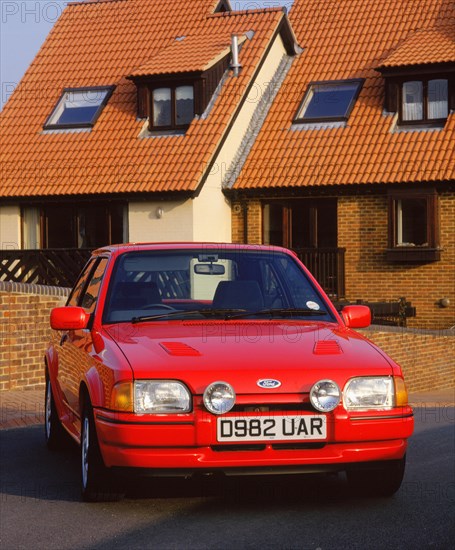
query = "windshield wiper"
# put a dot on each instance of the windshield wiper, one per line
(285, 312)
(204, 311)
(229, 314)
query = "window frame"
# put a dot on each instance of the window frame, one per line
(424, 79)
(54, 126)
(418, 253)
(172, 87)
(305, 120)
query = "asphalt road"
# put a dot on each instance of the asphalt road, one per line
(40, 506)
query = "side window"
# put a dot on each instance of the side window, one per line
(90, 295)
(75, 295)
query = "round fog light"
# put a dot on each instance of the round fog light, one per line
(219, 397)
(325, 395)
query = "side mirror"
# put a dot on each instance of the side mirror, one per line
(356, 316)
(69, 318)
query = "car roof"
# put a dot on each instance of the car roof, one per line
(129, 247)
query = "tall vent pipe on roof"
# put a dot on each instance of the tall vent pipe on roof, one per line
(235, 64)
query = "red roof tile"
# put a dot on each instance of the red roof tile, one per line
(188, 54)
(99, 44)
(345, 39)
(425, 46)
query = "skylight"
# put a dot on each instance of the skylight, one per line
(327, 101)
(79, 107)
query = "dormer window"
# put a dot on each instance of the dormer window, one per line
(424, 101)
(328, 101)
(78, 108)
(421, 97)
(180, 83)
(171, 102)
(172, 107)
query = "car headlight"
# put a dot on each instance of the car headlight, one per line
(369, 393)
(161, 396)
(219, 397)
(325, 395)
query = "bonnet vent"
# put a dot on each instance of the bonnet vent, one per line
(327, 347)
(179, 348)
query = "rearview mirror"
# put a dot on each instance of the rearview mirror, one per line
(209, 269)
(69, 318)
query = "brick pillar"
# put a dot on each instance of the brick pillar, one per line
(254, 222)
(237, 222)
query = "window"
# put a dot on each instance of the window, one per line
(92, 290)
(328, 101)
(301, 223)
(78, 108)
(31, 224)
(78, 225)
(424, 101)
(74, 297)
(413, 227)
(419, 100)
(172, 107)
(411, 216)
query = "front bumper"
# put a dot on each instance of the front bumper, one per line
(188, 442)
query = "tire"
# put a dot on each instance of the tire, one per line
(97, 482)
(54, 432)
(380, 481)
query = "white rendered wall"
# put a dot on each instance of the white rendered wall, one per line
(175, 223)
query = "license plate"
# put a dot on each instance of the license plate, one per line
(271, 428)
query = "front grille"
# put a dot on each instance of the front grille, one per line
(274, 407)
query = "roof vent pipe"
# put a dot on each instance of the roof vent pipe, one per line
(235, 65)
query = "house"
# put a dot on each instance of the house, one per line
(331, 132)
(123, 125)
(354, 165)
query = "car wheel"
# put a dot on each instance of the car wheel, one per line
(53, 430)
(381, 481)
(97, 482)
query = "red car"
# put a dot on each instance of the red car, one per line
(174, 359)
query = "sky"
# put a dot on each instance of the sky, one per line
(24, 25)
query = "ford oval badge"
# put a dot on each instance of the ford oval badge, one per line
(268, 383)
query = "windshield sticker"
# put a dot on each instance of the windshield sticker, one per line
(313, 305)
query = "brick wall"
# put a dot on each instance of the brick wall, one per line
(362, 230)
(426, 357)
(24, 332)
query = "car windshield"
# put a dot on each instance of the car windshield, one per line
(224, 283)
